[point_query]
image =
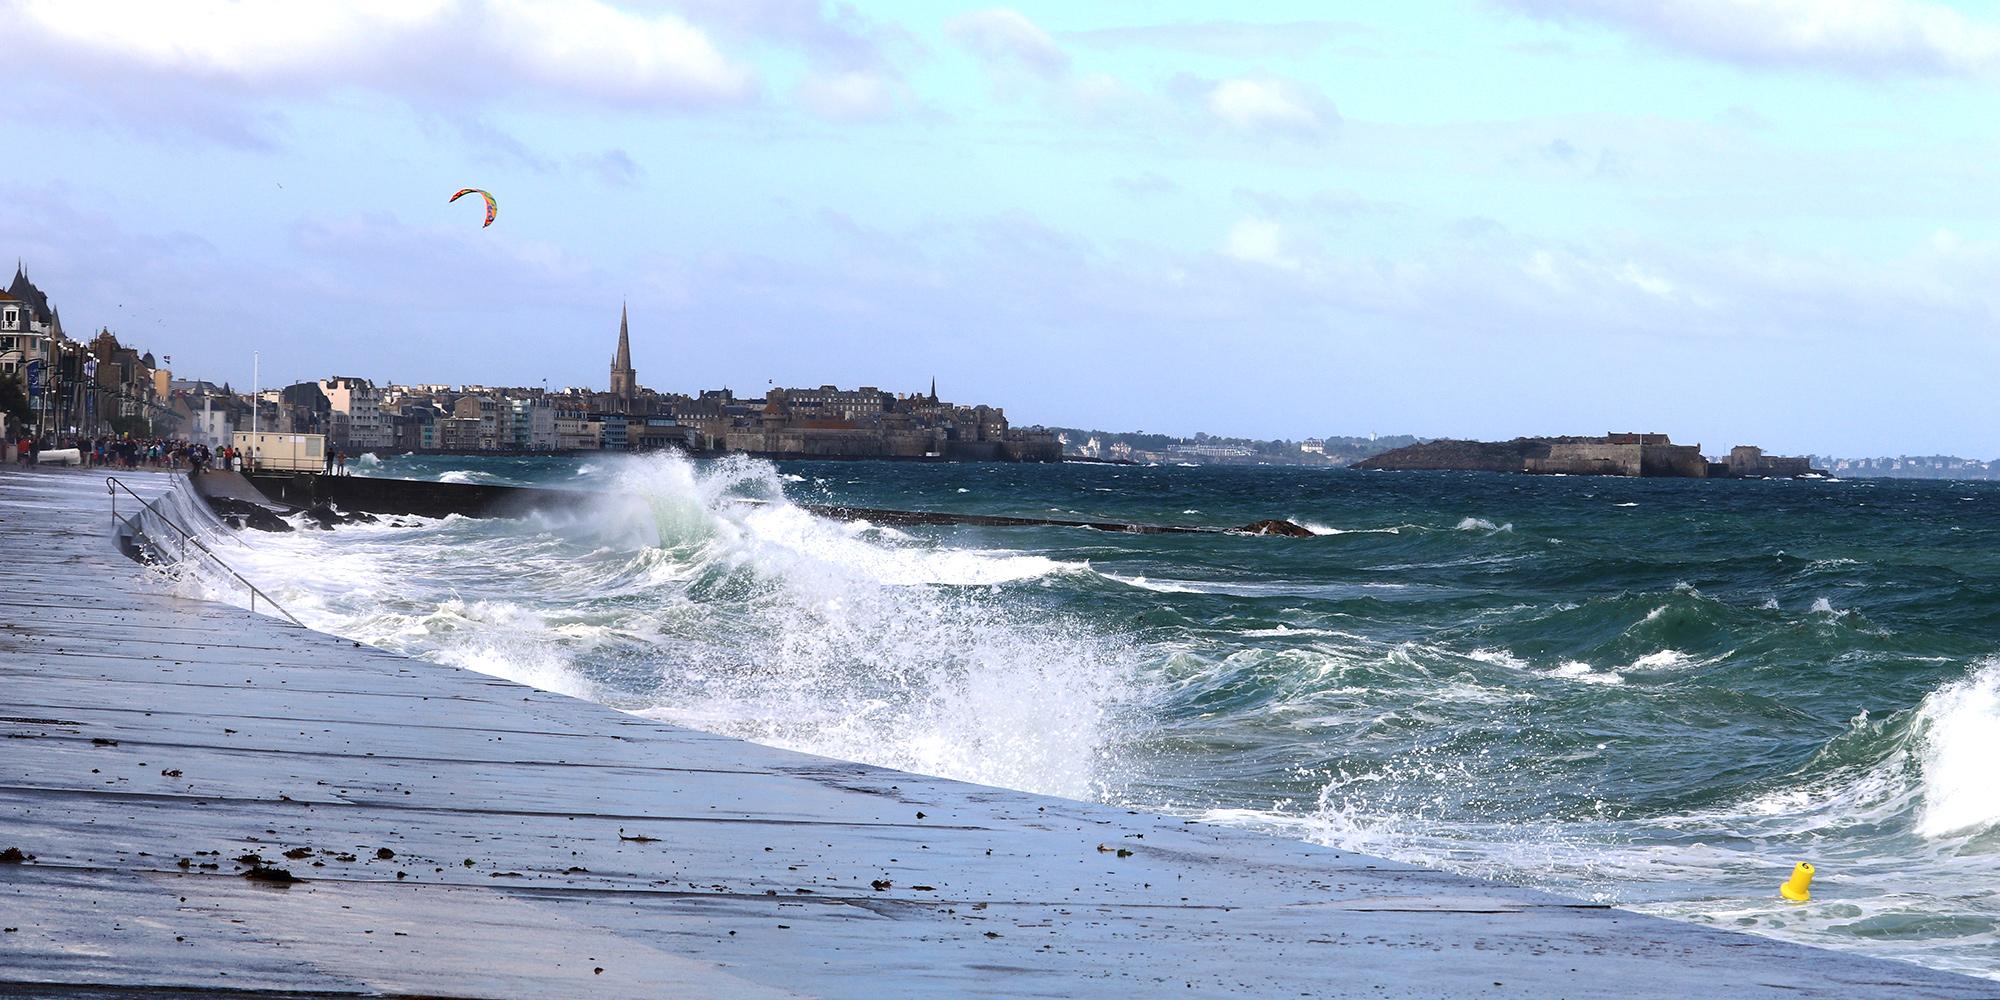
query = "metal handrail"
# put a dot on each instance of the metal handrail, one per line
(186, 537)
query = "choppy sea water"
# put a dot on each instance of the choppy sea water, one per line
(1658, 694)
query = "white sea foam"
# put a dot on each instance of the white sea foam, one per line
(1498, 658)
(1959, 725)
(1482, 524)
(1156, 586)
(1577, 670)
(1665, 659)
(1326, 529)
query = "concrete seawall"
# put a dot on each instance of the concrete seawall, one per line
(452, 834)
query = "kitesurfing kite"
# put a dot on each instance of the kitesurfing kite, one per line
(492, 207)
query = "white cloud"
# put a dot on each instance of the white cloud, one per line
(1005, 40)
(853, 94)
(574, 48)
(1858, 36)
(1261, 241)
(1580, 274)
(1269, 105)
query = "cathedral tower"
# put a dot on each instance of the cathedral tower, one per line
(624, 381)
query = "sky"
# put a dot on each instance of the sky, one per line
(1735, 221)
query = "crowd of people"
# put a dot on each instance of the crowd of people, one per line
(127, 452)
(163, 454)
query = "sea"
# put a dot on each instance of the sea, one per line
(1657, 694)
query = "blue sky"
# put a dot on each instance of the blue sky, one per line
(1765, 221)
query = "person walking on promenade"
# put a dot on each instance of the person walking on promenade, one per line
(340, 464)
(329, 463)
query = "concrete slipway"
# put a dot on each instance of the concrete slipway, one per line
(459, 835)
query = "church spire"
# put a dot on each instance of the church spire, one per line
(624, 360)
(624, 381)
(934, 388)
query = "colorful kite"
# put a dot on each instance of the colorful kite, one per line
(492, 207)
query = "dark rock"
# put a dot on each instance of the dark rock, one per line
(242, 513)
(1465, 456)
(275, 876)
(13, 856)
(1273, 526)
(326, 516)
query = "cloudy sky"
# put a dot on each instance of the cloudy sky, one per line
(1731, 220)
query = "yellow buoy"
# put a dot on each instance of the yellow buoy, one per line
(1798, 888)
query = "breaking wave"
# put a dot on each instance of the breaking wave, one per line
(1959, 726)
(670, 597)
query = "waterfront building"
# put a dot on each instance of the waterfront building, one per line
(576, 431)
(485, 414)
(611, 431)
(211, 414)
(656, 432)
(299, 408)
(356, 407)
(531, 424)
(461, 433)
(25, 327)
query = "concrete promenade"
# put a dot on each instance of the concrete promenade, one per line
(457, 835)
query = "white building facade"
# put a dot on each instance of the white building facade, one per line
(358, 422)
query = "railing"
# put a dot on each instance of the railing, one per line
(112, 486)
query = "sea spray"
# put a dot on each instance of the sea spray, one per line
(834, 640)
(697, 593)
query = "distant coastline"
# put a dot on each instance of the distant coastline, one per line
(1626, 454)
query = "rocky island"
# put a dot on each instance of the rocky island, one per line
(1615, 454)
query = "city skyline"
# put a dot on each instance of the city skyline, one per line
(1704, 220)
(206, 410)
